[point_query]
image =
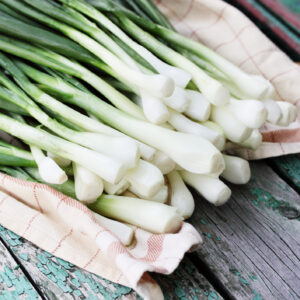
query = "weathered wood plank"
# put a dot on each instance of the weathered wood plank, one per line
(252, 244)
(288, 167)
(13, 282)
(186, 283)
(58, 279)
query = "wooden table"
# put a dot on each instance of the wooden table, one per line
(251, 245)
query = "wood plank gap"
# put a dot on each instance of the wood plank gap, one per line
(209, 275)
(19, 263)
(251, 249)
(283, 175)
(279, 17)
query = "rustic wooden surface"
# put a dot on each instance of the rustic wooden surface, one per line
(289, 168)
(14, 284)
(55, 278)
(252, 246)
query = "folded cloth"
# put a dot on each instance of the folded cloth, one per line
(227, 31)
(67, 229)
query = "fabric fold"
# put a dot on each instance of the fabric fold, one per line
(67, 229)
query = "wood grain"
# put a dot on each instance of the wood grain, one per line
(252, 245)
(288, 167)
(58, 279)
(13, 282)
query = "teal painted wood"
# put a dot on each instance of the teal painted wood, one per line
(58, 279)
(13, 282)
(291, 5)
(251, 245)
(288, 167)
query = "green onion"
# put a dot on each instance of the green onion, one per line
(211, 89)
(152, 216)
(98, 163)
(254, 141)
(248, 86)
(116, 189)
(199, 108)
(252, 113)
(98, 142)
(237, 170)
(211, 188)
(145, 180)
(189, 151)
(234, 129)
(181, 197)
(156, 84)
(16, 172)
(163, 162)
(88, 186)
(273, 111)
(49, 171)
(14, 156)
(288, 113)
(180, 77)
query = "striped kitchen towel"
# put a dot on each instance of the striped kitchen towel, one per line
(226, 30)
(66, 228)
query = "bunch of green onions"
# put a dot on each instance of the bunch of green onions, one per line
(114, 108)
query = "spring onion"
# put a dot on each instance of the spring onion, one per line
(183, 124)
(178, 101)
(180, 77)
(199, 108)
(154, 109)
(49, 171)
(123, 232)
(254, 141)
(237, 170)
(273, 111)
(163, 162)
(288, 113)
(152, 216)
(88, 186)
(234, 129)
(212, 89)
(128, 108)
(116, 189)
(181, 197)
(102, 165)
(252, 113)
(146, 179)
(211, 188)
(189, 151)
(62, 162)
(158, 85)
(248, 86)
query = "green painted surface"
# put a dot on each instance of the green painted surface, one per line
(68, 279)
(264, 199)
(13, 282)
(289, 167)
(292, 5)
